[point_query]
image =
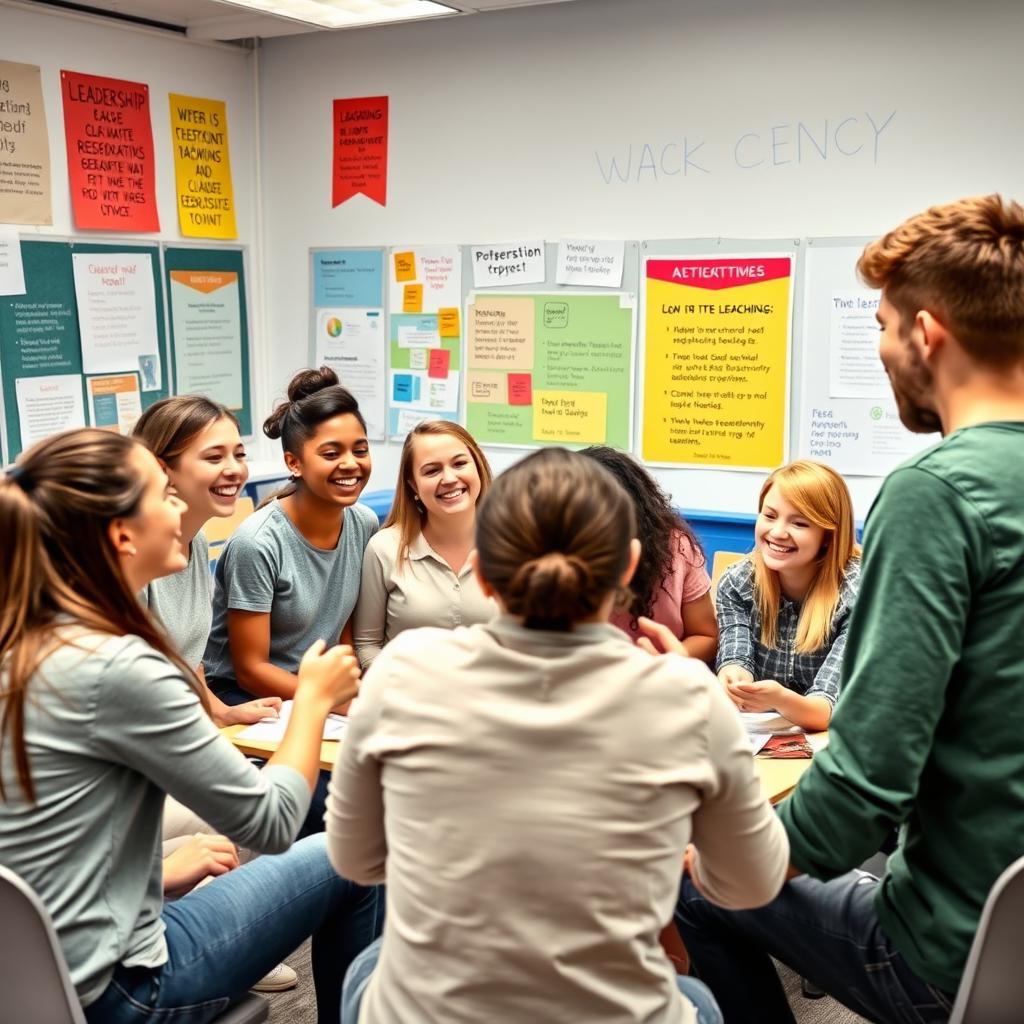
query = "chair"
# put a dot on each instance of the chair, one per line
(217, 531)
(34, 980)
(721, 562)
(992, 987)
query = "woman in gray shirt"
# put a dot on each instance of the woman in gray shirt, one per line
(101, 717)
(528, 786)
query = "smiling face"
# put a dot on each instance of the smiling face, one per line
(444, 475)
(909, 377)
(211, 472)
(335, 462)
(788, 541)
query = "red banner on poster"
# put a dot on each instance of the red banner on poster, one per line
(110, 153)
(360, 149)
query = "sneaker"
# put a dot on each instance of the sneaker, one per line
(280, 979)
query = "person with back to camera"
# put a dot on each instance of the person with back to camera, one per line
(671, 584)
(416, 571)
(784, 611)
(101, 718)
(529, 786)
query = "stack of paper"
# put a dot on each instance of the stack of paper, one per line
(271, 730)
(762, 725)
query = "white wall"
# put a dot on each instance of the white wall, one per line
(497, 123)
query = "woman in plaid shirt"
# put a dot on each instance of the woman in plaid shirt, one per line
(783, 611)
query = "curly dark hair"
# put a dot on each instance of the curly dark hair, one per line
(659, 526)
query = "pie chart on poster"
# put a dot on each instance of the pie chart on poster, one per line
(334, 327)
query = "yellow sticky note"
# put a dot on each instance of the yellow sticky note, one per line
(448, 321)
(412, 298)
(570, 417)
(405, 266)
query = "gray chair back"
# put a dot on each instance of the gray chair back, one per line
(992, 988)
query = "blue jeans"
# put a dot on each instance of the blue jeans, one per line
(223, 937)
(358, 978)
(828, 932)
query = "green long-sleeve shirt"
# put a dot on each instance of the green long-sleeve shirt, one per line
(928, 733)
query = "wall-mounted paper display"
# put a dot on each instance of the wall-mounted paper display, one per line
(594, 264)
(24, 147)
(512, 263)
(360, 149)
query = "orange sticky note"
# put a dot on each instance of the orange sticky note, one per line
(448, 321)
(412, 298)
(405, 266)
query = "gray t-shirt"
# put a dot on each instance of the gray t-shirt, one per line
(111, 726)
(268, 566)
(181, 602)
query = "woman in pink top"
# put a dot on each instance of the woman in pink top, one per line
(671, 584)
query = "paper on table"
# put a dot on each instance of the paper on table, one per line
(758, 740)
(770, 722)
(272, 729)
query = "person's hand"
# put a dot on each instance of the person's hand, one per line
(330, 674)
(690, 866)
(760, 696)
(202, 856)
(659, 639)
(252, 711)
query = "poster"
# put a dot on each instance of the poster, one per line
(594, 264)
(47, 405)
(847, 414)
(550, 368)
(348, 277)
(117, 314)
(511, 263)
(352, 343)
(360, 149)
(114, 402)
(12, 270)
(24, 147)
(206, 321)
(111, 167)
(202, 167)
(716, 360)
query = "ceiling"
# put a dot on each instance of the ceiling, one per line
(223, 20)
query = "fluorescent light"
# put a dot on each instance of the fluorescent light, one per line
(346, 13)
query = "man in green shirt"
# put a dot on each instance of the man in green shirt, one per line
(928, 734)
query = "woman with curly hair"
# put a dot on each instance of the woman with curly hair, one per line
(671, 584)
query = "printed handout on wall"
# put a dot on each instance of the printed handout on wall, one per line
(352, 343)
(24, 147)
(47, 405)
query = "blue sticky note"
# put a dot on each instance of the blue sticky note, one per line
(348, 277)
(402, 387)
(105, 411)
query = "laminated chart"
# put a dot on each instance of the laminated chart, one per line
(716, 353)
(550, 368)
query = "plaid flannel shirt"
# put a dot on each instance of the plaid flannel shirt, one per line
(739, 635)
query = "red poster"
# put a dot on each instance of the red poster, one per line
(360, 149)
(110, 153)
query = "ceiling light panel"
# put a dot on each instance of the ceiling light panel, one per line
(346, 13)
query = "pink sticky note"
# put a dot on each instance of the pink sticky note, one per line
(439, 361)
(520, 389)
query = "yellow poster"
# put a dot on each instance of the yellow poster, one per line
(716, 361)
(202, 167)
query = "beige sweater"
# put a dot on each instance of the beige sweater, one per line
(527, 796)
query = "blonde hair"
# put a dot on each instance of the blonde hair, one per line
(406, 513)
(820, 494)
(964, 262)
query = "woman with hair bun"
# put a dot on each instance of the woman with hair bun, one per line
(529, 785)
(289, 575)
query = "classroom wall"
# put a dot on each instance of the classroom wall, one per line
(521, 124)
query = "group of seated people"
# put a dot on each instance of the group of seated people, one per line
(540, 766)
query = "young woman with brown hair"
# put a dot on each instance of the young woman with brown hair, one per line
(416, 571)
(531, 784)
(100, 717)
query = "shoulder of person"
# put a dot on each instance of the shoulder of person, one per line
(385, 541)
(365, 517)
(739, 576)
(259, 527)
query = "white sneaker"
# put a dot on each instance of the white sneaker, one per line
(280, 979)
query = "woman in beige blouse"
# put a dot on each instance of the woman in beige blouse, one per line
(527, 786)
(416, 570)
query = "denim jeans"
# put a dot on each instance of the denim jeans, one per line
(223, 937)
(828, 932)
(359, 973)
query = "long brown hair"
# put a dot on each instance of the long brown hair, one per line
(57, 563)
(406, 513)
(553, 537)
(169, 426)
(818, 492)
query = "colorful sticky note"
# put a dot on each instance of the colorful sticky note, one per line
(412, 298)
(573, 417)
(405, 266)
(418, 358)
(440, 360)
(448, 321)
(401, 389)
(520, 389)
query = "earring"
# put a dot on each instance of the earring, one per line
(131, 552)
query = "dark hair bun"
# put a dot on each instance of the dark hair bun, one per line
(553, 590)
(304, 384)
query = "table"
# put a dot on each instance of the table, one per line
(778, 776)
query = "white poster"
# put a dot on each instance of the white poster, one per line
(854, 369)
(117, 314)
(47, 405)
(12, 273)
(594, 264)
(508, 264)
(352, 342)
